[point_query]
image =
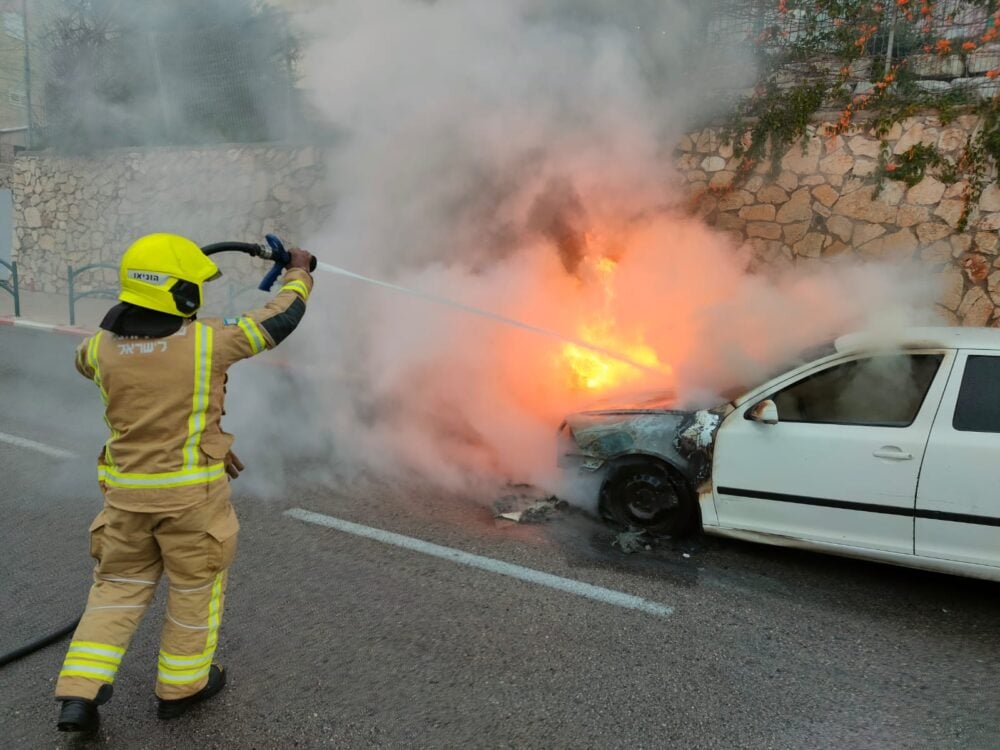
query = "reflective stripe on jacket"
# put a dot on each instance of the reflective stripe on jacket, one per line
(164, 400)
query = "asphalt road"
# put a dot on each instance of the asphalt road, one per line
(332, 640)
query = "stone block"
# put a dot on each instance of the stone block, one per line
(688, 162)
(957, 189)
(916, 134)
(994, 287)
(730, 222)
(721, 180)
(734, 200)
(865, 232)
(713, 164)
(935, 66)
(705, 141)
(952, 139)
(795, 232)
(841, 227)
(764, 230)
(811, 246)
(934, 87)
(951, 288)
(950, 211)
(898, 246)
(839, 163)
(787, 180)
(932, 231)
(802, 162)
(863, 167)
(986, 242)
(990, 199)
(758, 212)
(976, 308)
(32, 218)
(837, 249)
(937, 253)
(797, 208)
(910, 216)
(984, 59)
(926, 192)
(825, 195)
(772, 194)
(989, 223)
(946, 317)
(860, 205)
(862, 146)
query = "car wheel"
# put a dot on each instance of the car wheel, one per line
(647, 494)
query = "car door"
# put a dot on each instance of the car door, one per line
(841, 464)
(958, 498)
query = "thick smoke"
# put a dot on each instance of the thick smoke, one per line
(493, 153)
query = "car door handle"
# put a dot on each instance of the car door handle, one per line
(892, 453)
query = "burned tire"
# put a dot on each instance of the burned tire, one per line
(647, 494)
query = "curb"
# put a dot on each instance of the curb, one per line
(48, 327)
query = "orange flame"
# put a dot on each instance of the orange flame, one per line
(592, 371)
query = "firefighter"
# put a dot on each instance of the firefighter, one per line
(165, 472)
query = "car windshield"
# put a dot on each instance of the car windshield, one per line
(805, 356)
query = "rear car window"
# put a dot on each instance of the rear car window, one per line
(978, 407)
(883, 391)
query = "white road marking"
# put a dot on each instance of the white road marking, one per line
(48, 450)
(578, 588)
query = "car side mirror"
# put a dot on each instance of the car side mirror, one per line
(766, 412)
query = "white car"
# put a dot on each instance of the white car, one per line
(881, 450)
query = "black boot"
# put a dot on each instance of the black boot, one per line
(80, 714)
(175, 708)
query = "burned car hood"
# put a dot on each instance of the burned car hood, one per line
(685, 438)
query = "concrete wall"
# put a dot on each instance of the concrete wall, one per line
(821, 208)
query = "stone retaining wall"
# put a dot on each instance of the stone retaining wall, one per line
(820, 208)
(823, 207)
(80, 210)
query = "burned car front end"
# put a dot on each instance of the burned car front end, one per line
(649, 462)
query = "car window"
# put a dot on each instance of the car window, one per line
(885, 391)
(978, 407)
(741, 391)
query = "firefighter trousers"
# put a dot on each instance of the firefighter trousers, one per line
(194, 547)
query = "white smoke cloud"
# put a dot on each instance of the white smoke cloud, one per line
(487, 149)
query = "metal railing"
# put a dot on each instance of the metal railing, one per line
(96, 293)
(11, 285)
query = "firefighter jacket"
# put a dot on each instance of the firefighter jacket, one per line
(164, 401)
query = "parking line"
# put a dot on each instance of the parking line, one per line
(48, 450)
(570, 586)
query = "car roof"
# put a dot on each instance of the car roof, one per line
(940, 337)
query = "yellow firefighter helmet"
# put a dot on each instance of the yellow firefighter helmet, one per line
(165, 272)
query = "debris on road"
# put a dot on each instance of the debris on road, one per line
(632, 541)
(526, 507)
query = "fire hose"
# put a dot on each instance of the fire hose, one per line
(274, 250)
